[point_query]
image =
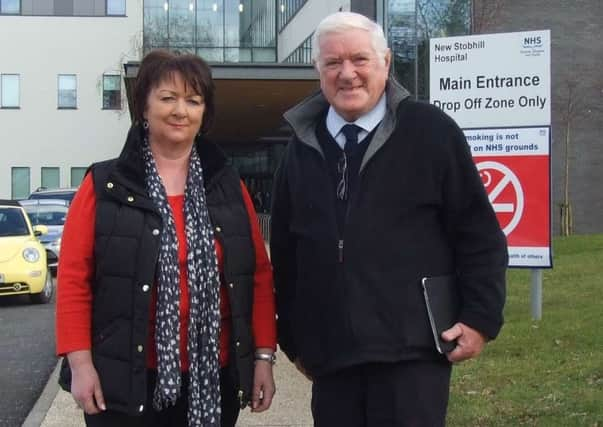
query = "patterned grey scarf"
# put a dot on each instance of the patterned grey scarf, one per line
(203, 287)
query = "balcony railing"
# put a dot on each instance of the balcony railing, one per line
(287, 10)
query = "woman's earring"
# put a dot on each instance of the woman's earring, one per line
(145, 124)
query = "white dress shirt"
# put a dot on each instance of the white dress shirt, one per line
(367, 122)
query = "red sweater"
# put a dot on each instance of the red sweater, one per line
(76, 270)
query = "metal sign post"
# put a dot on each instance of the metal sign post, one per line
(536, 293)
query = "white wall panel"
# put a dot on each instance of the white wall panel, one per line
(40, 48)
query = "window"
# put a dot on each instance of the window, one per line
(20, 183)
(67, 91)
(210, 28)
(63, 8)
(9, 91)
(50, 178)
(111, 92)
(10, 7)
(77, 176)
(12, 222)
(181, 24)
(154, 33)
(116, 7)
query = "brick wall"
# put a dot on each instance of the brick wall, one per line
(576, 58)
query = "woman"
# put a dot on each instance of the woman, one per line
(165, 306)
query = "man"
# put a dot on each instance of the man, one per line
(375, 192)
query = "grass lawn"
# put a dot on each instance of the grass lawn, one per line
(542, 373)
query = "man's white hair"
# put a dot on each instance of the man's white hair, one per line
(340, 22)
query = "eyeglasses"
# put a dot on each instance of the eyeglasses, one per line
(342, 169)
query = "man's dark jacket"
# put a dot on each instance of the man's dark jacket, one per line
(419, 210)
(127, 237)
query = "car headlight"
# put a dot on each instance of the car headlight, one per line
(31, 254)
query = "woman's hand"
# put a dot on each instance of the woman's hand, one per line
(85, 384)
(263, 386)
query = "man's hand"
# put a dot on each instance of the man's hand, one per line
(469, 342)
(85, 384)
(301, 369)
(263, 386)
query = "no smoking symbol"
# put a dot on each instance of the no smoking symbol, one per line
(504, 192)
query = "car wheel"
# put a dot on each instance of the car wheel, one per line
(45, 296)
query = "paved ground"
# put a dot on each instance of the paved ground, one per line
(26, 356)
(290, 408)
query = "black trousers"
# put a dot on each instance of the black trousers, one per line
(403, 394)
(173, 416)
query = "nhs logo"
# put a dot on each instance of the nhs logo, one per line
(532, 42)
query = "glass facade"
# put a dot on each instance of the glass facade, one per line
(256, 165)
(217, 30)
(410, 25)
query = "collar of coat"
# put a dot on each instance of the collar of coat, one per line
(129, 166)
(304, 116)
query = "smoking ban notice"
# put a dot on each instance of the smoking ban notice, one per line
(514, 166)
(497, 88)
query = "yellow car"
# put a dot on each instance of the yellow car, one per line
(23, 267)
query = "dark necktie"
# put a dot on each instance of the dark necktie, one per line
(350, 132)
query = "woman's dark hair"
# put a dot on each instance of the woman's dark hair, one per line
(158, 65)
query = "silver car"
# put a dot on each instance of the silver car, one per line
(54, 193)
(51, 213)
